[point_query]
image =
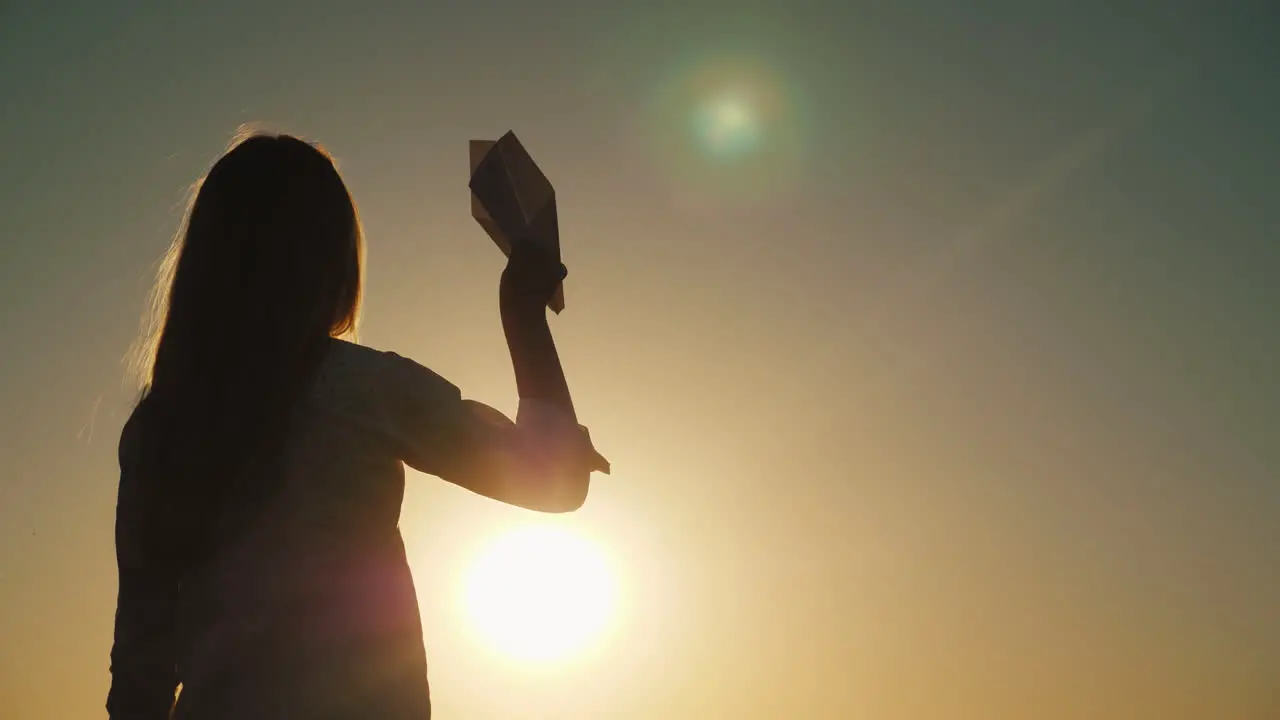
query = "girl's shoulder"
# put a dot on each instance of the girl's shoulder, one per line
(353, 373)
(347, 357)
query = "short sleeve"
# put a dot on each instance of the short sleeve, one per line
(430, 427)
(437, 430)
(423, 414)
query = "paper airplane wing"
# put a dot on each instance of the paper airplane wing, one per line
(479, 149)
(512, 200)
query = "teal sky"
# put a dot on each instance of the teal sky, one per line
(942, 384)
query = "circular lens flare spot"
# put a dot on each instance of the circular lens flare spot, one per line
(726, 134)
(728, 126)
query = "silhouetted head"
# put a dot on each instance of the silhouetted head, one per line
(266, 268)
(271, 245)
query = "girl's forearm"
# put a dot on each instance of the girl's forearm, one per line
(539, 374)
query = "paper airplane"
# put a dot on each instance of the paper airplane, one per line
(512, 200)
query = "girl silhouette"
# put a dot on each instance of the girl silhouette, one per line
(260, 562)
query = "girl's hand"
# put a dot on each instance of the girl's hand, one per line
(529, 281)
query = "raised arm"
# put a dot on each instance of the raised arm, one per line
(540, 462)
(543, 461)
(528, 282)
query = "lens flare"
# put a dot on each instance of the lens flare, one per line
(727, 126)
(726, 134)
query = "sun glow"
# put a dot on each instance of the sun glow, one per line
(540, 593)
(728, 126)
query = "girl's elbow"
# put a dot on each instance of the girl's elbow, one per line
(578, 497)
(567, 496)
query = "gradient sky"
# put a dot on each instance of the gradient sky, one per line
(953, 396)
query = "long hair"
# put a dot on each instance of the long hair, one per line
(266, 267)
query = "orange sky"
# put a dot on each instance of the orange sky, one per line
(944, 390)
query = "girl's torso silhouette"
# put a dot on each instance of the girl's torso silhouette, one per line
(311, 610)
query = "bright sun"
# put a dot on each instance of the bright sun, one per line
(540, 592)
